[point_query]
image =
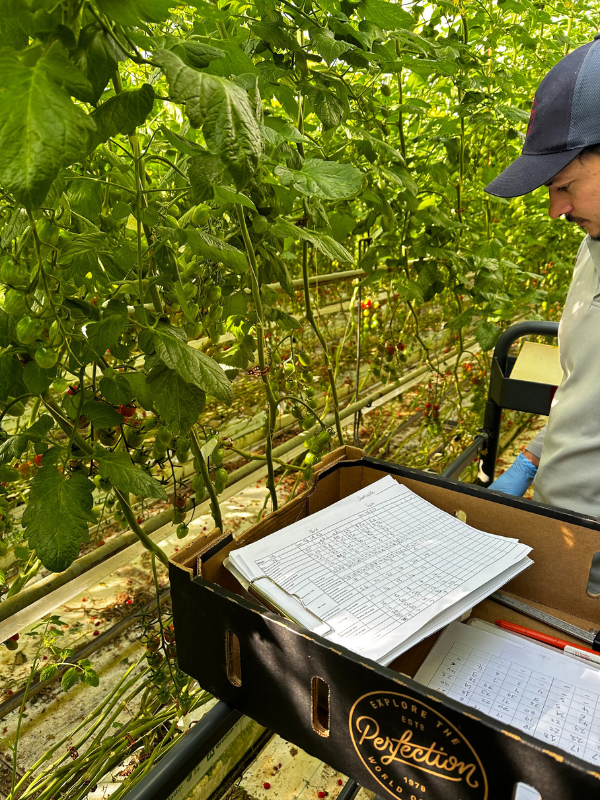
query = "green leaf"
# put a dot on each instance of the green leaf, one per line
(275, 34)
(328, 109)
(57, 516)
(103, 335)
(285, 321)
(233, 197)
(194, 54)
(36, 379)
(192, 365)
(101, 415)
(328, 180)
(123, 113)
(141, 389)
(325, 244)
(388, 15)
(180, 143)
(15, 22)
(116, 390)
(327, 45)
(69, 679)
(66, 74)
(9, 474)
(97, 56)
(486, 334)
(11, 376)
(8, 326)
(41, 129)
(223, 111)
(130, 12)
(213, 249)
(90, 677)
(49, 671)
(122, 472)
(178, 403)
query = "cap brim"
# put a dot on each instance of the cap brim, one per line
(529, 172)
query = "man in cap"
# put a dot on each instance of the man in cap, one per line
(562, 152)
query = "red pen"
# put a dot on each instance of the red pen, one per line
(567, 647)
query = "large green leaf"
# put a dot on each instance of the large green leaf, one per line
(97, 56)
(192, 365)
(117, 390)
(325, 244)
(327, 45)
(328, 109)
(221, 109)
(101, 415)
(213, 249)
(141, 389)
(328, 180)
(103, 335)
(130, 12)
(123, 113)
(122, 472)
(11, 376)
(57, 516)
(179, 403)
(388, 15)
(41, 129)
(36, 379)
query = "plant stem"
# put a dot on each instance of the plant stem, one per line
(214, 500)
(313, 323)
(260, 340)
(139, 531)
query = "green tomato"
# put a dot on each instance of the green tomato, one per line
(200, 215)
(198, 483)
(3, 549)
(189, 290)
(13, 273)
(178, 516)
(14, 302)
(48, 232)
(304, 359)
(29, 329)
(182, 530)
(170, 221)
(217, 456)
(46, 358)
(163, 434)
(55, 336)
(60, 385)
(213, 295)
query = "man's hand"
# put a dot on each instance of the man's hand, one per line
(518, 477)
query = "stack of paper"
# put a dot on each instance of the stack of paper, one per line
(378, 571)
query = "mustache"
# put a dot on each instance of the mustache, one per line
(577, 220)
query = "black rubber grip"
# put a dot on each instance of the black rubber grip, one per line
(596, 642)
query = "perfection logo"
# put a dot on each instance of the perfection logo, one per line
(412, 751)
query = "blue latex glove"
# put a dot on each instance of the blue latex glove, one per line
(517, 478)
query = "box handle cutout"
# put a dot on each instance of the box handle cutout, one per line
(593, 585)
(523, 791)
(320, 706)
(233, 662)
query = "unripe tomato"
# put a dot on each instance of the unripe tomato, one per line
(217, 456)
(48, 232)
(190, 290)
(178, 516)
(198, 484)
(171, 221)
(163, 434)
(14, 302)
(307, 474)
(46, 358)
(213, 295)
(55, 336)
(221, 475)
(304, 359)
(14, 273)
(385, 90)
(29, 329)
(200, 215)
(182, 530)
(60, 385)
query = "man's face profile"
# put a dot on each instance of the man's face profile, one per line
(575, 193)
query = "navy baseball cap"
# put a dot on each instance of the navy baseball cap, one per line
(565, 119)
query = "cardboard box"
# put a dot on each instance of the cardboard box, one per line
(315, 694)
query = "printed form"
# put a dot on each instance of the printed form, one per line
(379, 567)
(520, 683)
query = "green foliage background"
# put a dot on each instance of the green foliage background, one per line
(161, 163)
